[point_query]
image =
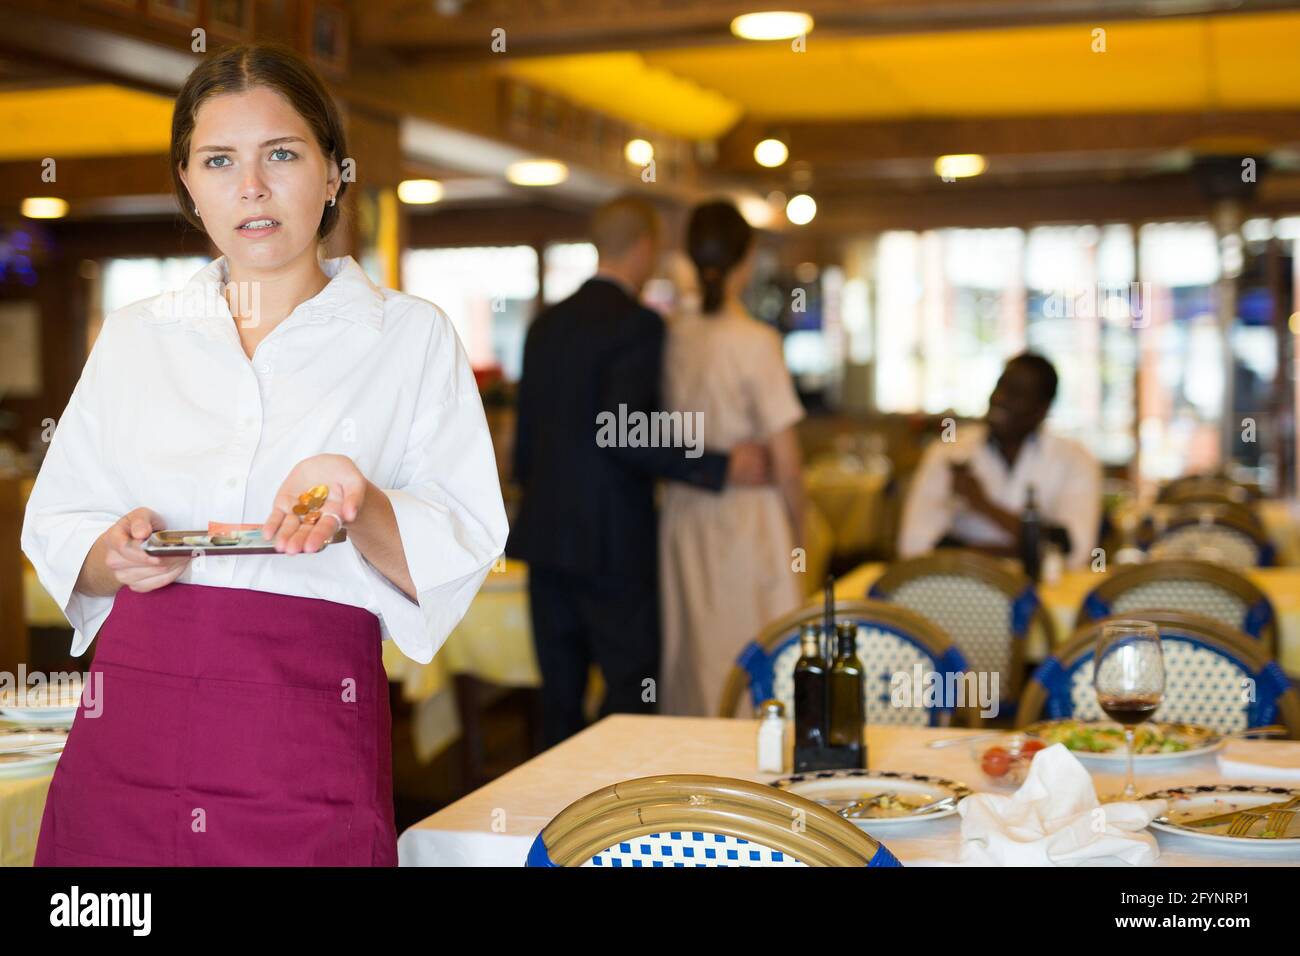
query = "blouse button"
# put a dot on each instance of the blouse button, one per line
(232, 482)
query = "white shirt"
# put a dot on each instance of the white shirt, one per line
(171, 415)
(1065, 477)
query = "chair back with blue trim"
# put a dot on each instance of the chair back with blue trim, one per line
(1208, 532)
(891, 640)
(1202, 588)
(1215, 676)
(694, 820)
(985, 605)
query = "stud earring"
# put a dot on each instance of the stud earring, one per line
(197, 213)
(331, 200)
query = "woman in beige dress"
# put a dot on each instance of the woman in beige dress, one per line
(726, 559)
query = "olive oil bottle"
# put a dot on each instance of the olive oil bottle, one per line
(845, 699)
(810, 704)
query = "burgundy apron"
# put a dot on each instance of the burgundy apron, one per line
(236, 728)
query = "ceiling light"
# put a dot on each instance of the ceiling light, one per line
(537, 172)
(960, 165)
(44, 207)
(771, 25)
(771, 153)
(801, 209)
(639, 152)
(418, 192)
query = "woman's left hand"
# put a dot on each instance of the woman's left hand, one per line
(347, 493)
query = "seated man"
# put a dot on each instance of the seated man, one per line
(970, 490)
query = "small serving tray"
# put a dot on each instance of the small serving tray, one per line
(172, 544)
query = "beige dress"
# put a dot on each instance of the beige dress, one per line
(725, 558)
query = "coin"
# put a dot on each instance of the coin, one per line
(300, 509)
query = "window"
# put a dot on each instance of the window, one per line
(568, 265)
(127, 280)
(488, 292)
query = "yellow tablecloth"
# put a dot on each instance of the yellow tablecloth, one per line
(1281, 520)
(494, 642)
(850, 501)
(22, 803)
(1064, 598)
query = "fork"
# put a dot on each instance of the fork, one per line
(1279, 820)
(1243, 823)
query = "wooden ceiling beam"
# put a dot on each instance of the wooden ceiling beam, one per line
(579, 26)
(826, 145)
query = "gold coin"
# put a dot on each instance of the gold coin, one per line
(300, 509)
(320, 491)
(311, 517)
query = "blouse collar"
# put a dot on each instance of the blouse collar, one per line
(348, 295)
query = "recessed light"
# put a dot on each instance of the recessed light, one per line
(771, 25)
(537, 172)
(418, 192)
(44, 207)
(771, 153)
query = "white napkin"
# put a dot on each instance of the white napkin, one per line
(1261, 760)
(1055, 819)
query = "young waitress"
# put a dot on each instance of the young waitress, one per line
(243, 706)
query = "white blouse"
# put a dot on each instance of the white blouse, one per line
(170, 414)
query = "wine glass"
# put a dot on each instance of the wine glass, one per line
(1129, 677)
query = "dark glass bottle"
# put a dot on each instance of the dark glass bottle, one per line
(1031, 552)
(810, 710)
(845, 728)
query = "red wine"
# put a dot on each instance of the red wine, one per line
(1129, 710)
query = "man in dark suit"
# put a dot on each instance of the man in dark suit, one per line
(587, 523)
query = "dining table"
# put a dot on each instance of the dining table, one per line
(496, 824)
(22, 804)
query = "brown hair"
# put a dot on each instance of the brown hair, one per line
(717, 239)
(620, 223)
(238, 69)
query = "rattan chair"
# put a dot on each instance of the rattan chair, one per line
(1215, 676)
(1196, 586)
(984, 604)
(695, 820)
(891, 640)
(1206, 488)
(1209, 532)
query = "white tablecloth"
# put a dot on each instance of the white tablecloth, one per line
(495, 825)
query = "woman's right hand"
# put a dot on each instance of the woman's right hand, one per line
(124, 559)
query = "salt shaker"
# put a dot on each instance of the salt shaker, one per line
(771, 737)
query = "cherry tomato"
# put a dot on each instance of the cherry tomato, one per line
(996, 762)
(1030, 748)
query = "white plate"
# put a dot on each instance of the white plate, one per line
(27, 765)
(1205, 742)
(11, 743)
(836, 787)
(1198, 802)
(39, 716)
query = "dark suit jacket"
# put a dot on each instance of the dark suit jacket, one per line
(589, 510)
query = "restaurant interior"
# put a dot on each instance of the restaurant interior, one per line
(934, 187)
